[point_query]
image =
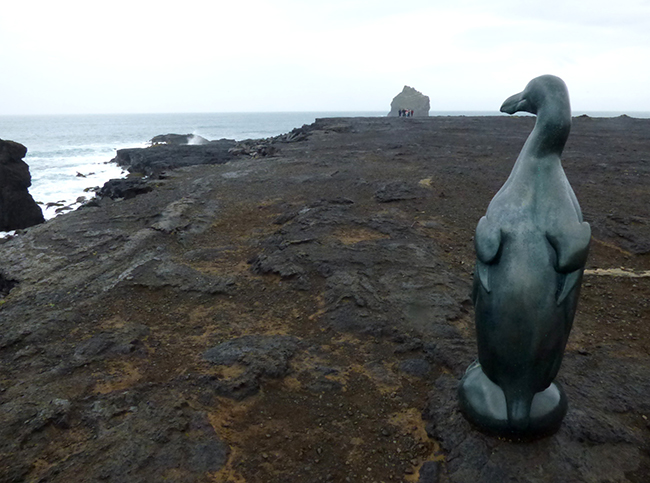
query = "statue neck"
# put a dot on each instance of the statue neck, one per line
(550, 133)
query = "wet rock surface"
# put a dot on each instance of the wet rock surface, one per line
(17, 207)
(157, 158)
(306, 316)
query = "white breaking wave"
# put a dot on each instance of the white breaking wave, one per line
(195, 140)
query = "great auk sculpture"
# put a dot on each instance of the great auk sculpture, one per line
(531, 248)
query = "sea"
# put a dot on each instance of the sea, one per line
(69, 156)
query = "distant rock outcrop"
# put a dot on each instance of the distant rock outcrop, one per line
(410, 99)
(17, 207)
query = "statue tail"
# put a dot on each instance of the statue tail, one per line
(518, 404)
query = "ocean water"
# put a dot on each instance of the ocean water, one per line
(67, 155)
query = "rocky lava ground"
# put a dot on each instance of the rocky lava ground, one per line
(305, 316)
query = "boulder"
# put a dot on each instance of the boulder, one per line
(124, 188)
(17, 207)
(410, 99)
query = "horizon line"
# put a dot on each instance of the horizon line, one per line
(432, 112)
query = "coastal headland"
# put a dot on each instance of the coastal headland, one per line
(300, 312)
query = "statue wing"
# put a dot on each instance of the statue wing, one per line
(487, 242)
(571, 245)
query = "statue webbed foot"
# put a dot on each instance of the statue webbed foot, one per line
(484, 404)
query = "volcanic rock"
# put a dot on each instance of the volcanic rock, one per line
(260, 355)
(17, 207)
(410, 99)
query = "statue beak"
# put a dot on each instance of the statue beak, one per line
(517, 103)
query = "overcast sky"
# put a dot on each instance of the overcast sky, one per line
(118, 56)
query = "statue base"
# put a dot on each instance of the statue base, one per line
(484, 405)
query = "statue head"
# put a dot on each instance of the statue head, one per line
(542, 91)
